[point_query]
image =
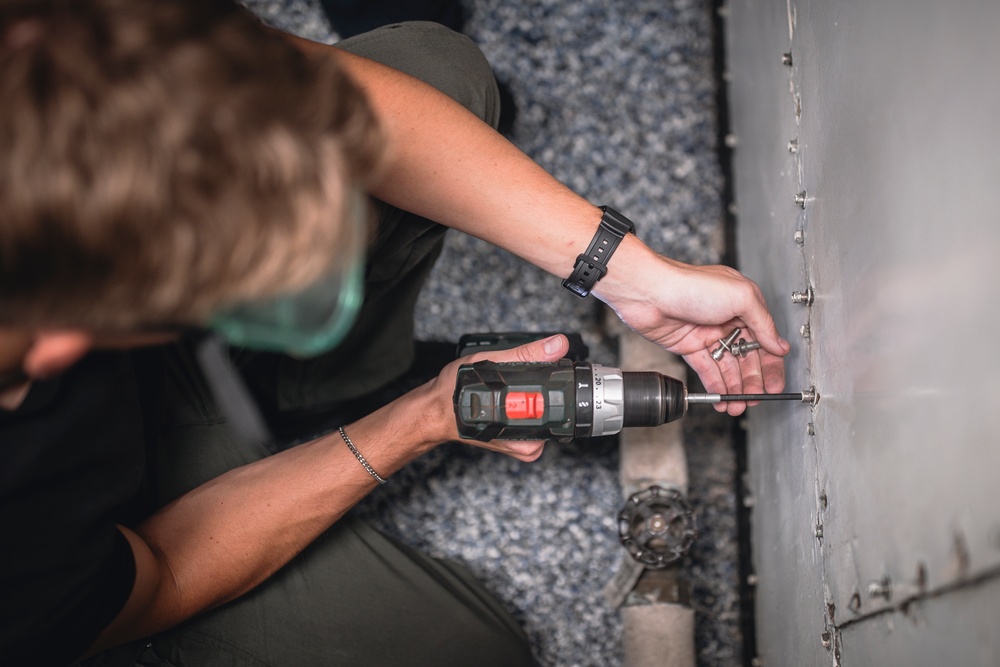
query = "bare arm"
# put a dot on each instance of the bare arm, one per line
(224, 538)
(445, 164)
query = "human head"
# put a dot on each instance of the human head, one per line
(162, 158)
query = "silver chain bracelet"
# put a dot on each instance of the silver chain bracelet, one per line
(354, 450)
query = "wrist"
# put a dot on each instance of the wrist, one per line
(389, 438)
(592, 265)
(630, 277)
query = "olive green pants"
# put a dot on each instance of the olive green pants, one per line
(355, 596)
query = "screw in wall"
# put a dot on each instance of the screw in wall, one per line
(805, 297)
(881, 589)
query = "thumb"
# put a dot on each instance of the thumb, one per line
(552, 348)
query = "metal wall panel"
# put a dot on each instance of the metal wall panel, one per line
(884, 493)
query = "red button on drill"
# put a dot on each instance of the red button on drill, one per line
(525, 405)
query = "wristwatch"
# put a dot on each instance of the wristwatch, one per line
(593, 264)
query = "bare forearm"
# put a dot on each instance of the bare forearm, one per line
(444, 163)
(224, 538)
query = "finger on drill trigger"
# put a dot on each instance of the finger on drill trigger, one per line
(522, 450)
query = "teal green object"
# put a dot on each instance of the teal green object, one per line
(303, 325)
(315, 320)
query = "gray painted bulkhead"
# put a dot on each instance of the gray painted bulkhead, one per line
(876, 517)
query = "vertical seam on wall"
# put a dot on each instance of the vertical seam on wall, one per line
(831, 636)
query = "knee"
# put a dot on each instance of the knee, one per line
(438, 56)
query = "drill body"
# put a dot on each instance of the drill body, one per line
(561, 401)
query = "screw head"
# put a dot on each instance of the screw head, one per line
(810, 396)
(805, 297)
(799, 236)
(881, 589)
(800, 199)
(793, 146)
(804, 331)
(786, 59)
(810, 429)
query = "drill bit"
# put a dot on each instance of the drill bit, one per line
(808, 396)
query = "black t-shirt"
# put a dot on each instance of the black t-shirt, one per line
(71, 467)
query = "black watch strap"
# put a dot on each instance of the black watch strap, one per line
(593, 264)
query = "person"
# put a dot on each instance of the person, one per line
(172, 167)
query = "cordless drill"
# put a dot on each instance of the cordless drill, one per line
(573, 399)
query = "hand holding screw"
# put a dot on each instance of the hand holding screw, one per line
(724, 344)
(742, 347)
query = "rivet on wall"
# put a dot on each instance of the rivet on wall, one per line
(806, 297)
(881, 589)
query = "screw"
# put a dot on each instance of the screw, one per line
(810, 396)
(804, 331)
(720, 351)
(743, 347)
(825, 639)
(793, 146)
(800, 199)
(819, 530)
(810, 429)
(786, 59)
(799, 236)
(881, 589)
(804, 297)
